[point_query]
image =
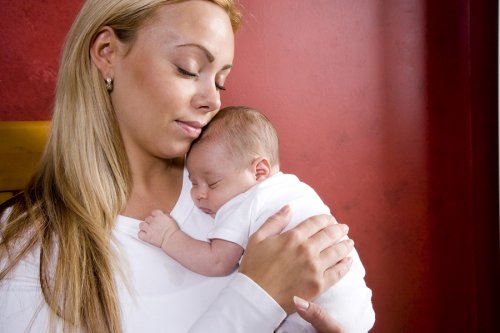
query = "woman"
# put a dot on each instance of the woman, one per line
(137, 82)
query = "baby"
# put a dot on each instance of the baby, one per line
(236, 179)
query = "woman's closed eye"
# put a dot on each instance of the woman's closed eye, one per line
(189, 74)
(219, 86)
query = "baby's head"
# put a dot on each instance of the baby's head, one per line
(238, 149)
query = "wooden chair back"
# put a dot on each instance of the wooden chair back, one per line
(21, 144)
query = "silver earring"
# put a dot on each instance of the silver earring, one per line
(109, 84)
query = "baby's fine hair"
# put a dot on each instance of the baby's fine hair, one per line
(245, 132)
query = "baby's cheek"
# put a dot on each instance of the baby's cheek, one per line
(217, 202)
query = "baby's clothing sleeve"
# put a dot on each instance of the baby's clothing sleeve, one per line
(233, 220)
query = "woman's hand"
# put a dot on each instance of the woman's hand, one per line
(317, 316)
(303, 261)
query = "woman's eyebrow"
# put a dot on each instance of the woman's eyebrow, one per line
(207, 53)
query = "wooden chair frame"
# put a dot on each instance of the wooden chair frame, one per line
(21, 145)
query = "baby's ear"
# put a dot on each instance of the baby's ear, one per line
(262, 168)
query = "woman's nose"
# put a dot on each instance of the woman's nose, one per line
(207, 98)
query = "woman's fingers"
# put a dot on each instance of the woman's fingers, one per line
(321, 231)
(274, 225)
(305, 260)
(328, 236)
(336, 252)
(317, 316)
(337, 271)
(313, 225)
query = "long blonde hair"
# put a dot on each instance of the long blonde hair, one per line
(69, 207)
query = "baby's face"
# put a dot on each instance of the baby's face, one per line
(216, 179)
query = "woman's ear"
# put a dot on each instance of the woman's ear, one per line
(261, 167)
(103, 51)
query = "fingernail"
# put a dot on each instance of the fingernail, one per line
(345, 228)
(285, 209)
(351, 242)
(301, 303)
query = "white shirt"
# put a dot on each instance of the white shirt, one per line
(165, 296)
(349, 300)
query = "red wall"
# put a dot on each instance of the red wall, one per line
(31, 35)
(387, 108)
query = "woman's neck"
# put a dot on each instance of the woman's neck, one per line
(156, 184)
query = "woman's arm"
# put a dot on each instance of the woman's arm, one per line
(22, 306)
(304, 260)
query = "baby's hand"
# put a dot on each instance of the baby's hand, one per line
(157, 228)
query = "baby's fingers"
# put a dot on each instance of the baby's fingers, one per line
(144, 226)
(143, 236)
(143, 232)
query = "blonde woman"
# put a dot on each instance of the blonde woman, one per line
(138, 80)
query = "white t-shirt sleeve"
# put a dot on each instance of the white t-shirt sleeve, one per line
(22, 307)
(240, 308)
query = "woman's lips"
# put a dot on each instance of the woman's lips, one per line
(191, 128)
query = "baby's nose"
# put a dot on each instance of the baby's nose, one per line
(201, 194)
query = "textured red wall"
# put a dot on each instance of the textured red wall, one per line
(31, 35)
(387, 108)
(344, 82)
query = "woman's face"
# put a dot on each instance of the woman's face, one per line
(167, 84)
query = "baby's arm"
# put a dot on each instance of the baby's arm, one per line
(215, 258)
